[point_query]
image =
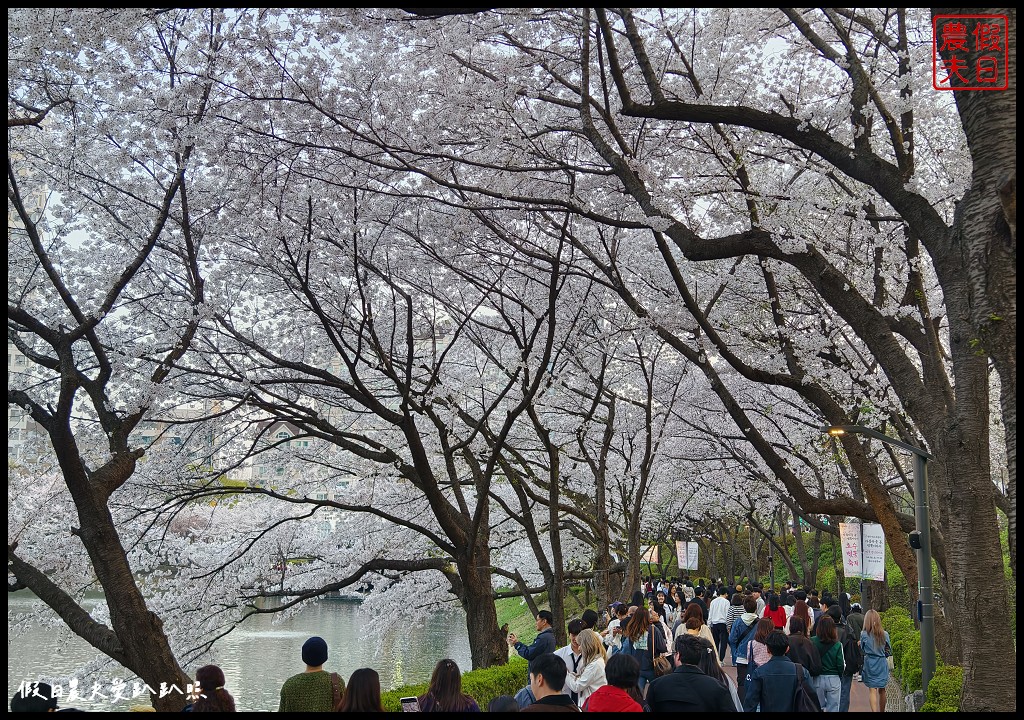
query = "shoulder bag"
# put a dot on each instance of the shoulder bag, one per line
(888, 656)
(660, 662)
(804, 698)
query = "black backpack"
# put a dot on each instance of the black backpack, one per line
(805, 699)
(852, 655)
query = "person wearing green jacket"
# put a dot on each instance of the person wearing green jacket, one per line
(829, 683)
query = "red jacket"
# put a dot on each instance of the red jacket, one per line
(778, 617)
(609, 698)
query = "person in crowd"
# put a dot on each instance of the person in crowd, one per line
(829, 683)
(855, 620)
(212, 695)
(590, 618)
(313, 690)
(445, 691)
(613, 633)
(503, 703)
(755, 591)
(591, 673)
(542, 644)
(801, 649)
(827, 601)
(844, 604)
(693, 623)
(789, 605)
(674, 601)
(547, 679)
(875, 673)
(735, 610)
(571, 653)
(643, 641)
(709, 666)
(661, 608)
(621, 693)
(740, 636)
(362, 694)
(815, 606)
(757, 653)
(718, 619)
(660, 626)
(801, 611)
(771, 687)
(851, 656)
(698, 600)
(638, 599)
(854, 624)
(774, 610)
(687, 689)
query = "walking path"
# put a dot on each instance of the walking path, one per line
(858, 693)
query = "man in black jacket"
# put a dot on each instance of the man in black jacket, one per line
(687, 688)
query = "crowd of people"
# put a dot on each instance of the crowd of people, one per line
(664, 650)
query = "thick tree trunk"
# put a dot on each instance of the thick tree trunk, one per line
(985, 232)
(144, 648)
(487, 646)
(974, 561)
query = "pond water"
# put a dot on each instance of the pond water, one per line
(256, 658)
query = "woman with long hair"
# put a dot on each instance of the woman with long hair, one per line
(445, 691)
(801, 649)
(709, 665)
(829, 683)
(643, 640)
(213, 697)
(592, 663)
(758, 653)
(774, 610)
(362, 694)
(801, 611)
(875, 673)
(693, 623)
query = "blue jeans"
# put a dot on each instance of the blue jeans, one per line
(646, 676)
(829, 688)
(844, 693)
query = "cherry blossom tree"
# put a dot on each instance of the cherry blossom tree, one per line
(102, 145)
(771, 195)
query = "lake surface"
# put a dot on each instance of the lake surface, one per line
(256, 658)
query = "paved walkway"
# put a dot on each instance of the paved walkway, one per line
(858, 694)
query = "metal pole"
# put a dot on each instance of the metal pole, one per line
(925, 602)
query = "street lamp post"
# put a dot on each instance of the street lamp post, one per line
(920, 540)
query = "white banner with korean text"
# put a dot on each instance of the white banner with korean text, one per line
(863, 550)
(686, 554)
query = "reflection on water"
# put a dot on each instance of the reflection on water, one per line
(258, 657)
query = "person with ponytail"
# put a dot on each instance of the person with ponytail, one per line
(212, 695)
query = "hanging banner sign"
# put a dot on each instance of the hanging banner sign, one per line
(874, 552)
(686, 555)
(649, 555)
(849, 539)
(863, 550)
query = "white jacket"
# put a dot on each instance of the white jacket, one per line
(588, 680)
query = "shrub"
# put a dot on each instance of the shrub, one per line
(944, 690)
(481, 685)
